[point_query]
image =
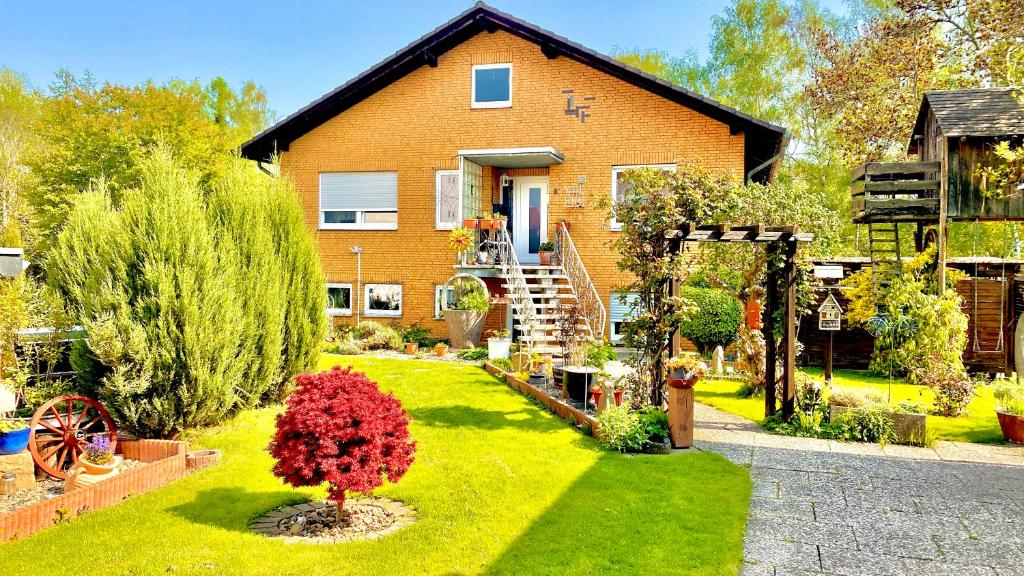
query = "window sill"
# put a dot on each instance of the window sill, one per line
(359, 227)
(379, 314)
(490, 105)
(337, 312)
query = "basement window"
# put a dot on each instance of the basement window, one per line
(383, 300)
(339, 299)
(492, 86)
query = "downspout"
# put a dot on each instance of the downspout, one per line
(772, 160)
(259, 164)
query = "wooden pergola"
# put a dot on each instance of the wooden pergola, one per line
(780, 291)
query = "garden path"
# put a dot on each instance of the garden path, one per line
(854, 509)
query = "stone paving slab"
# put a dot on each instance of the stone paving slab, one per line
(849, 509)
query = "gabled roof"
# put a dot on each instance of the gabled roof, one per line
(973, 112)
(763, 140)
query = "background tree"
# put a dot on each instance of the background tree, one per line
(19, 106)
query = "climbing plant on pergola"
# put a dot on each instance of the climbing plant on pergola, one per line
(780, 293)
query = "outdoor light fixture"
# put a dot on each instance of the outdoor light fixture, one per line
(358, 251)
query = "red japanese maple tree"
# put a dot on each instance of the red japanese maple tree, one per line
(341, 429)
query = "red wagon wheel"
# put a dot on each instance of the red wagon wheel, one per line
(62, 427)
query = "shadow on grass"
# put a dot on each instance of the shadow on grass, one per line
(460, 416)
(233, 508)
(675, 514)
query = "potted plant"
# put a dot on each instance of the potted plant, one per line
(684, 370)
(499, 344)
(411, 348)
(98, 458)
(440, 349)
(545, 251)
(460, 240)
(466, 321)
(619, 387)
(1010, 410)
(577, 377)
(13, 436)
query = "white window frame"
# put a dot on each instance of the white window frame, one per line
(360, 223)
(438, 223)
(613, 335)
(437, 300)
(616, 170)
(497, 103)
(341, 311)
(381, 313)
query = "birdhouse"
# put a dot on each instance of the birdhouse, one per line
(830, 314)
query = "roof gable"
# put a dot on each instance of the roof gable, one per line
(763, 141)
(973, 112)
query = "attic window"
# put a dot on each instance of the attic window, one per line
(492, 86)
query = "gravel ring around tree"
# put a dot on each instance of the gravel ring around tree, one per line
(315, 522)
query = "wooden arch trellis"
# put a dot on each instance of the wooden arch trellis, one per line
(780, 291)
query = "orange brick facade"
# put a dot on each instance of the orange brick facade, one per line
(417, 125)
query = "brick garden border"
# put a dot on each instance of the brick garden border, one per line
(556, 405)
(165, 463)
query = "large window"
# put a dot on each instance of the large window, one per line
(447, 194)
(382, 300)
(620, 187)
(619, 313)
(359, 200)
(339, 299)
(492, 86)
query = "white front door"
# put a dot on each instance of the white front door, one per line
(529, 216)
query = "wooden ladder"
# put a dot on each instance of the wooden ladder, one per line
(884, 247)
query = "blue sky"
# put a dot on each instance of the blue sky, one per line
(301, 49)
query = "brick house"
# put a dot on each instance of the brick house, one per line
(488, 113)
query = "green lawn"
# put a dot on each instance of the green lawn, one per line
(501, 487)
(978, 425)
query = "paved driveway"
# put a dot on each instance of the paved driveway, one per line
(822, 507)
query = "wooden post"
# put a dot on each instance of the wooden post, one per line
(828, 358)
(789, 333)
(680, 417)
(768, 329)
(943, 146)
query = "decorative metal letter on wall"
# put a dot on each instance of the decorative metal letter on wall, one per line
(580, 111)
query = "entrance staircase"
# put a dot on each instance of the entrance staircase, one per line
(538, 294)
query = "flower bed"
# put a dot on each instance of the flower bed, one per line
(164, 463)
(556, 405)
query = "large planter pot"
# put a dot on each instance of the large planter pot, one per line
(618, 397)
(14, 442)
(577, 380)
(411, 348)
(498, 348)
(682, 379)
(1012, 426)
(464, 327)
(545, 257)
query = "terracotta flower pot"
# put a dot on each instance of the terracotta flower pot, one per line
(682, 383)
(1012, 426)
(98, 469)
(441, 349)
(595, 393)
(411, 348)
(618, 397)
(545, 258)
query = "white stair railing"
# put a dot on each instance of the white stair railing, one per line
(520, 300)
(589, 298)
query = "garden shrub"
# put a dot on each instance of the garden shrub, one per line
(854, 398)
(339, 428)
(472, 354)
(869, 424)
(953, 389)
(504, 364)
(376, 336)
(348, 346)
(1009, 397)
(619, 429)
(714, 319)
(654, 423)
(177, 335)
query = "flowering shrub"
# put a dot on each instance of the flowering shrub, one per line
(620, 429)
(98, 451)
(341, 429)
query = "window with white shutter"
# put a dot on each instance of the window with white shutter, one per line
(358, 200)
(619, 313)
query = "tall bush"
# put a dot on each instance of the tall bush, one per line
(714, 319)
(186, 294)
